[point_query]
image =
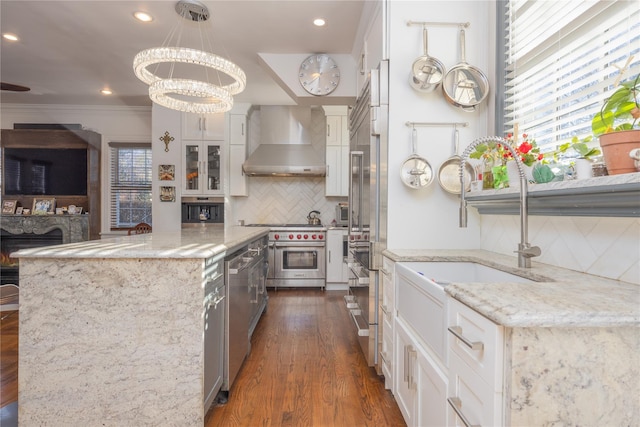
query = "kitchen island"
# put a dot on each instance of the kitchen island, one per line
(565, 349)
(111, 331)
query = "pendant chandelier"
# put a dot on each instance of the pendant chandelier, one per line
(211, 94)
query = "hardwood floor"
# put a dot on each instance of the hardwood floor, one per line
(306, 369)
(8, 357)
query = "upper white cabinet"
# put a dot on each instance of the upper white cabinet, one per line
(337, 151)
(202, 126)
(202, 168)
(238, 134)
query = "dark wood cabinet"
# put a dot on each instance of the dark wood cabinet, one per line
(47, 139)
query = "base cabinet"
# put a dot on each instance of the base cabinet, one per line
(387, 315)
(420, 385)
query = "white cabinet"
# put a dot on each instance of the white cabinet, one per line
(202, 168)
(420, 374)
(337, 270)
(202, 126)
(238, 183)
(337, 152)
(420, 385)
(387, 312)
(476, 363)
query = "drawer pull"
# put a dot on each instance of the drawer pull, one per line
(457, 332)
(456, 405)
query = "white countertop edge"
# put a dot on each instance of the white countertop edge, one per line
(188, 243)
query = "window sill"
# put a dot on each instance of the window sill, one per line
(606, 196)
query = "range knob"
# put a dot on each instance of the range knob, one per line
(276, 236)
(314, 237)
(299, 237)
(290, 236)
(306, 236)
(321, 236)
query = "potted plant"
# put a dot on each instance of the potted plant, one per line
(583, 162)
(617, 126)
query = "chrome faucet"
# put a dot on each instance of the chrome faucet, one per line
(525, 250)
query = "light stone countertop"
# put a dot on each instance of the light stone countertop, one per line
(192, 242)
(560, 298)
(574, 184)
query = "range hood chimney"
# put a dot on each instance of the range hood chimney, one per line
(285, 144)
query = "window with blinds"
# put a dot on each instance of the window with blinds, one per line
(561, 60)
(131, 174)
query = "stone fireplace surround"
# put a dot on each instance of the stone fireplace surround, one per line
(75, 228)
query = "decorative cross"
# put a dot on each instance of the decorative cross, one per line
(166, 139)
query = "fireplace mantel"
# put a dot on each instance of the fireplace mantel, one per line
(75, 228)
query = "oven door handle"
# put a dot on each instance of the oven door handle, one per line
(298, 245)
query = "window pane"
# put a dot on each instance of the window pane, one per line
(561, 62)
(131, 174)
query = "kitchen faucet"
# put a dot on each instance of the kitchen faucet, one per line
(525, 250)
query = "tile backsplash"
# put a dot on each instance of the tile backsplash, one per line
(607, 247)
(278, 200)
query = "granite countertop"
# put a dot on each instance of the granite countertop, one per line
(194, 242)
(559, 298)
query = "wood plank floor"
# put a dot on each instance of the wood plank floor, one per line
(8, 357)
(306, 369)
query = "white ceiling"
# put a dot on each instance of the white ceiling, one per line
(69, 50)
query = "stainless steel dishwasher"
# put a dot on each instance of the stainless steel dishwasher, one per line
(214, 318)
(240, 267)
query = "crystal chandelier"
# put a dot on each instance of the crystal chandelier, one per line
(188, 94)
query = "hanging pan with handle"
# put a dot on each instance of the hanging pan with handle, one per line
(465, 86)
(426, 72)
(416, 172)
(448, 173)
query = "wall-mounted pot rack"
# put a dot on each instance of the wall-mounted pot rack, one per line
(425, 124)
(439, 24)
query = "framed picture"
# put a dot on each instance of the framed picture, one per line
(59, 211)
(167, 194)
(167, 172)
(9, 206)
(43, 206)
(19, 210)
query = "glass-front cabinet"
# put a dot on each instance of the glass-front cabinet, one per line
(202, 167)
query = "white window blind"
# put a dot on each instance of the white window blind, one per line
(560, 63)
(131, 174)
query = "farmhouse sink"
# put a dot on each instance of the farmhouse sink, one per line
(421, 298)
(443, 273)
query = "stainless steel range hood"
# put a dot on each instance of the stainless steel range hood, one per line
(285, 148)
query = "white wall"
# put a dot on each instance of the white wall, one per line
(428, 218)
(114, 123)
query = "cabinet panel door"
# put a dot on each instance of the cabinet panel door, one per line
(333, 182)
(192, 168)
(237, 129)
(405, 394)
(237, 178)
(432, 393)
(474, 398)
(334, 130)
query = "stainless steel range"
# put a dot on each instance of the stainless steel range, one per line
(296, 255)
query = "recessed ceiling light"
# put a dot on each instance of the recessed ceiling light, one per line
(319, 22)
(10, 36)
(106, 91)
(143, 16)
